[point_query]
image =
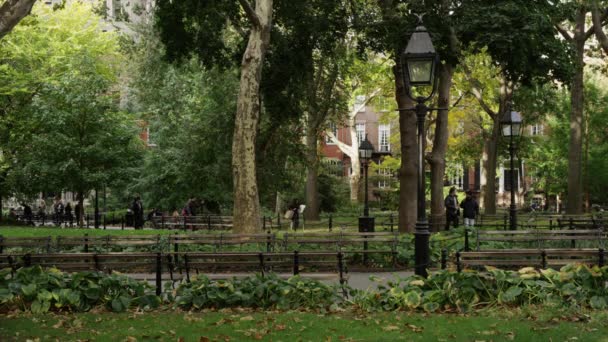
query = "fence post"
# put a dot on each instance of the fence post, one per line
(467, 247)
(444, 259)
(158, 274)
(330, 223)
(162, 221)
(365, 257)
(543, 256)
(209, 222)
(268, 241)
(185, 219)
(27, 260)
(279, 220)
(296, 263)
(1, 244)
(458, 263)
(86, 243)
(504, 227)
(122, 222)
(261, 259)
(87, 218)
(601, 257)
(391, 222)
(550, 224)
(176, 248)
(104, 221)
(263, 222)
(571, 226)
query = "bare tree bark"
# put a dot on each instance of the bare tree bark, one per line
(575, 150)
(247, 218)
(11, 13)
(440, 146)
(408, 172)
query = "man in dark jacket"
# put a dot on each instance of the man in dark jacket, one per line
(451, 209)
(470, 209)
(138, 213)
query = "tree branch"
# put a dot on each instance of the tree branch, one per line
(477, 91)
(11, 13)
(342, 146)
(599, 31)
(564, 33)
(250, 12)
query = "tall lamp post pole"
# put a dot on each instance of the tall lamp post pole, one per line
(419, 63)
(366, 149)
(511, 125)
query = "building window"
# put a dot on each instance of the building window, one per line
(384, 134)
(536, 129)
(384, 178)
(334, 129)
(334, 167)
(360, 128)
(457, 177)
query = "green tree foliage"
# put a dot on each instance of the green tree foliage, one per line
(61, 129)
(74, 138)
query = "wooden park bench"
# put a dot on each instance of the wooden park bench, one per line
(540, 238)
(38, 244)
(538, 258)
(224, 242)
(203, 222)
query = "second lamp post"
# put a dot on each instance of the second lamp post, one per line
(419, 65)
(366, 149)
(510, 125)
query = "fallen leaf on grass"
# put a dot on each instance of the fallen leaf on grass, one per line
(59, 324)
(279, 327)
(247, 318)
(390, 328)
(414, 328)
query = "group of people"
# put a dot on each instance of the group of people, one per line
(469, 206)
(61, 213)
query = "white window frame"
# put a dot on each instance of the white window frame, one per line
(381, 146)
(360, 133)
(384, 180)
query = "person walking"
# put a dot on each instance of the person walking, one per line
(295, 218)
(138, 213)
(28, 215)
(470, 209)
(42, 211)
(68, 214)
(78, 211)
(58, 209)
(451, 209)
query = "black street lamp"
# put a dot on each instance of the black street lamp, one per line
(419, 64)
(510, 127)
(366, 149)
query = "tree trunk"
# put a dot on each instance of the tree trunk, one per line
(247, 217)
(11, 13)
(312, 174)
(575, 151)
(489, 166)
(408, 172)
(440, 146)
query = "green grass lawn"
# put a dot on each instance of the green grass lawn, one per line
(241, 325)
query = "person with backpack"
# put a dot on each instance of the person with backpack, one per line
(470, 209)
(138, 213)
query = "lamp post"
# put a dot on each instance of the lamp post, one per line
(366, 149)
(419, 63)
(511, 125)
